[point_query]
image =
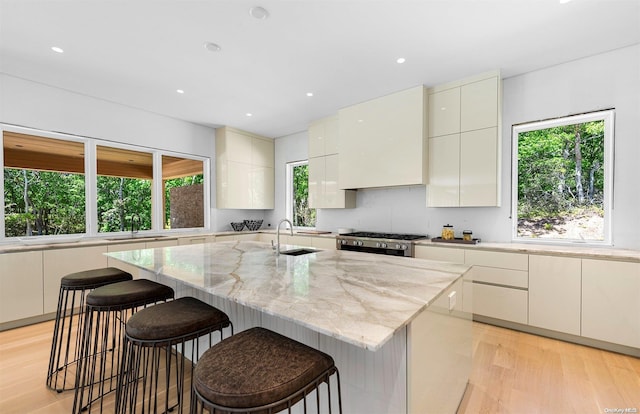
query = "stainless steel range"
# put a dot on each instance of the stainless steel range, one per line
(380, 243)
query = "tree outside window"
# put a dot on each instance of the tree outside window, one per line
(562, 178)
(299, 212)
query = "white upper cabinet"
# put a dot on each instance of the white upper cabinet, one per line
(444, 112)
(324, 167)
(383, 141)
(323, 137)
(479, 104)
(464, 143)
(244, 170)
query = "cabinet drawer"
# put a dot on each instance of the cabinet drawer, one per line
(515, 261)
(445, 254)
(494, 275)
(500, 303)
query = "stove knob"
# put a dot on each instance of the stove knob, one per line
(397, 247)
(342, 241)
(403, 246)
(355, 242)
(378, 244)
(359, 243)
(383, 245)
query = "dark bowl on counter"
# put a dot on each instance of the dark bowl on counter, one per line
(253, 225)
(237, 226)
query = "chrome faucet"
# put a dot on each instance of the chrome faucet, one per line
(135, 223)
(278, 234)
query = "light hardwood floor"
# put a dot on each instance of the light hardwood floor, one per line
(513, 373)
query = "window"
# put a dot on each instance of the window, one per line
(124, 185)
(562, 179)
(183, 189)
(298, 210)
(56, 184)
(44, 186)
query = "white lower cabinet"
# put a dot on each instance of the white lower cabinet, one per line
(182, 241)
(20, 285)
(500, 302)
(60, 262)
(554, 293)
(610, 301)
(444, 254)
(498, 282)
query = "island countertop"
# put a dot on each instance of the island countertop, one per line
(358, 298)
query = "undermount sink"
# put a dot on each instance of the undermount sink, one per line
(298, 252)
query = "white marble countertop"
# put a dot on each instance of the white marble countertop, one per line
(359, 298)
(573, 250)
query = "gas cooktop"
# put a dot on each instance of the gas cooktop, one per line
(389, 236)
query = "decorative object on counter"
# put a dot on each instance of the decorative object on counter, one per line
(467, 235)
(447, 232)
(253, 225)
(458, 240)
(237, 226)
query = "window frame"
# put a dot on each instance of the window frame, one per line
(606, 115)
(289, 191)
(90, 166)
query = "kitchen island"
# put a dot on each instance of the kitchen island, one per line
(394, 326)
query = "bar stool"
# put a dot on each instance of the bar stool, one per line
(260, 371)
(154, 337)
(67, 330)
(108, 308)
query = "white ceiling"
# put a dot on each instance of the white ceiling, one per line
(138, 52)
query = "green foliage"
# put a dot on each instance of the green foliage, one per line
(560, 172)
(303, 215)
(119, 200)
(43, 203)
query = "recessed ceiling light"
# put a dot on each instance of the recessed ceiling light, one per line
(249, 114)
(179, 91)
(309, 93)
(57, 49)
(212, 47)
(259, 13)
(400, 60)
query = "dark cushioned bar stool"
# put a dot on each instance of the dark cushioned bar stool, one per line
(154, 337)
(108, 309)
(67, 329)
(260, 371)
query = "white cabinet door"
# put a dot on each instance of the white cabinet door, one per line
(324, 243)
(21, 286)
(236, 147)
(479, 104)
(323, 137)
(610, 304)
(262, 152)
(445, 254)
(554, 293)
(323, 184)
(60, 262)
(244, 170)
(444, 171)
(316, 182)
(479, 181)
(444, 112)
(500, 302)
(383, 141)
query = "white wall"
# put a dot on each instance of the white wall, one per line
(34, 105)
(609, 80)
